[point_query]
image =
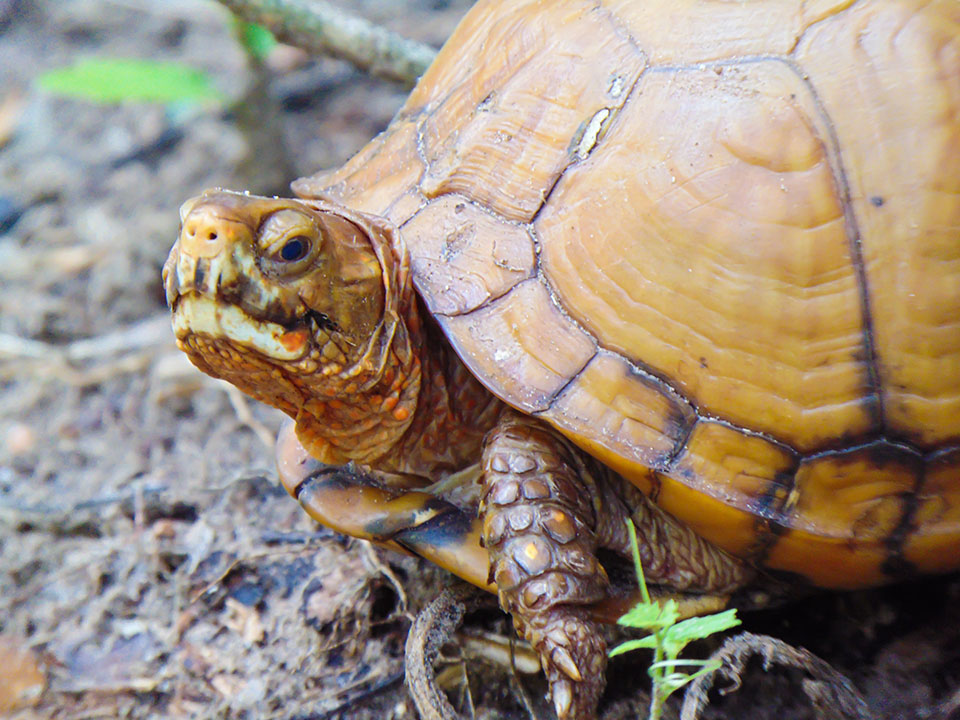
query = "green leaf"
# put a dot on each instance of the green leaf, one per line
(678, 636)
(651, 615)
(126, 79)
(257, 40)
(648, 643)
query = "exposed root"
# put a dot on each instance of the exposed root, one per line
(372, 559)
(432, 628)
(356, 694)
(831, 694)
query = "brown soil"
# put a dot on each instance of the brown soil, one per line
(149, 563)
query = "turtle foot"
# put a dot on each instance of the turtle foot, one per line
(573, 654)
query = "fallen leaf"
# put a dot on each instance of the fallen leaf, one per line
(21, 677)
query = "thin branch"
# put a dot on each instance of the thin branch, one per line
(146, 334)
(320, 28)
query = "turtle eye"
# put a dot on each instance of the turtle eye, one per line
(289, 241)
(296, 248)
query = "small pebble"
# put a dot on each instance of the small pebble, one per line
(21, 439)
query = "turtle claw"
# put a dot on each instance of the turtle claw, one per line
(562, 658)
(573, 655)
(562, 692)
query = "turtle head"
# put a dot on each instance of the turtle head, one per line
(282, 297)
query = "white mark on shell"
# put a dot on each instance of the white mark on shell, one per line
(591, 133)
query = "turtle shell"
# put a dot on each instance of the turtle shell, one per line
(717, 244)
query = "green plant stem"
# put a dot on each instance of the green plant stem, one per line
(667, 637)
(637, 565)
(656, 669)
(657, 696)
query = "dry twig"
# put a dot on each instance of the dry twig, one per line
(371, 557)
(242, 409)
(143, 335)
(127, 350)
(323, 29)
(831, 694)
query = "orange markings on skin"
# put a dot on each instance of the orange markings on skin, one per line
(531, 551)
(390, 403)
(294, 340)
(401, 414)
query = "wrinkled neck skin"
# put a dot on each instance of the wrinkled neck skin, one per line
(402, 402)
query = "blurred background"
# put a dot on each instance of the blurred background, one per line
(150, 566)
(148, 560)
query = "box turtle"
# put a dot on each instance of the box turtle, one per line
(691, 262)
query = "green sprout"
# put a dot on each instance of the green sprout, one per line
(119, 80)
(115, 80)
(668, 638)
(256, 40)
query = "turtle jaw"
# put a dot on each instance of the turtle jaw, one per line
(278, 361)
(196, 314)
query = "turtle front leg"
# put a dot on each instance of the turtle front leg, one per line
(546, 508)
(539, 510)
(353, 502)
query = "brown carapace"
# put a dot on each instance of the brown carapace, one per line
(691, 262)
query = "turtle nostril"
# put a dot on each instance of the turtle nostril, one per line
(205, 233)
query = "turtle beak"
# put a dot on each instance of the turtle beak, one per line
(208, 229)
(172, 276)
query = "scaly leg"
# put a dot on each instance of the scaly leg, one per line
(538, 519)
(546, 508)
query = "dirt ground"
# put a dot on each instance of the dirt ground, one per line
(150, 565)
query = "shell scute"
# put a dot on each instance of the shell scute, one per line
(930, 545)
(722, 265)
(902, 163)
(515, 119)
(625, 417)
(521, 345)
(463, 256)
